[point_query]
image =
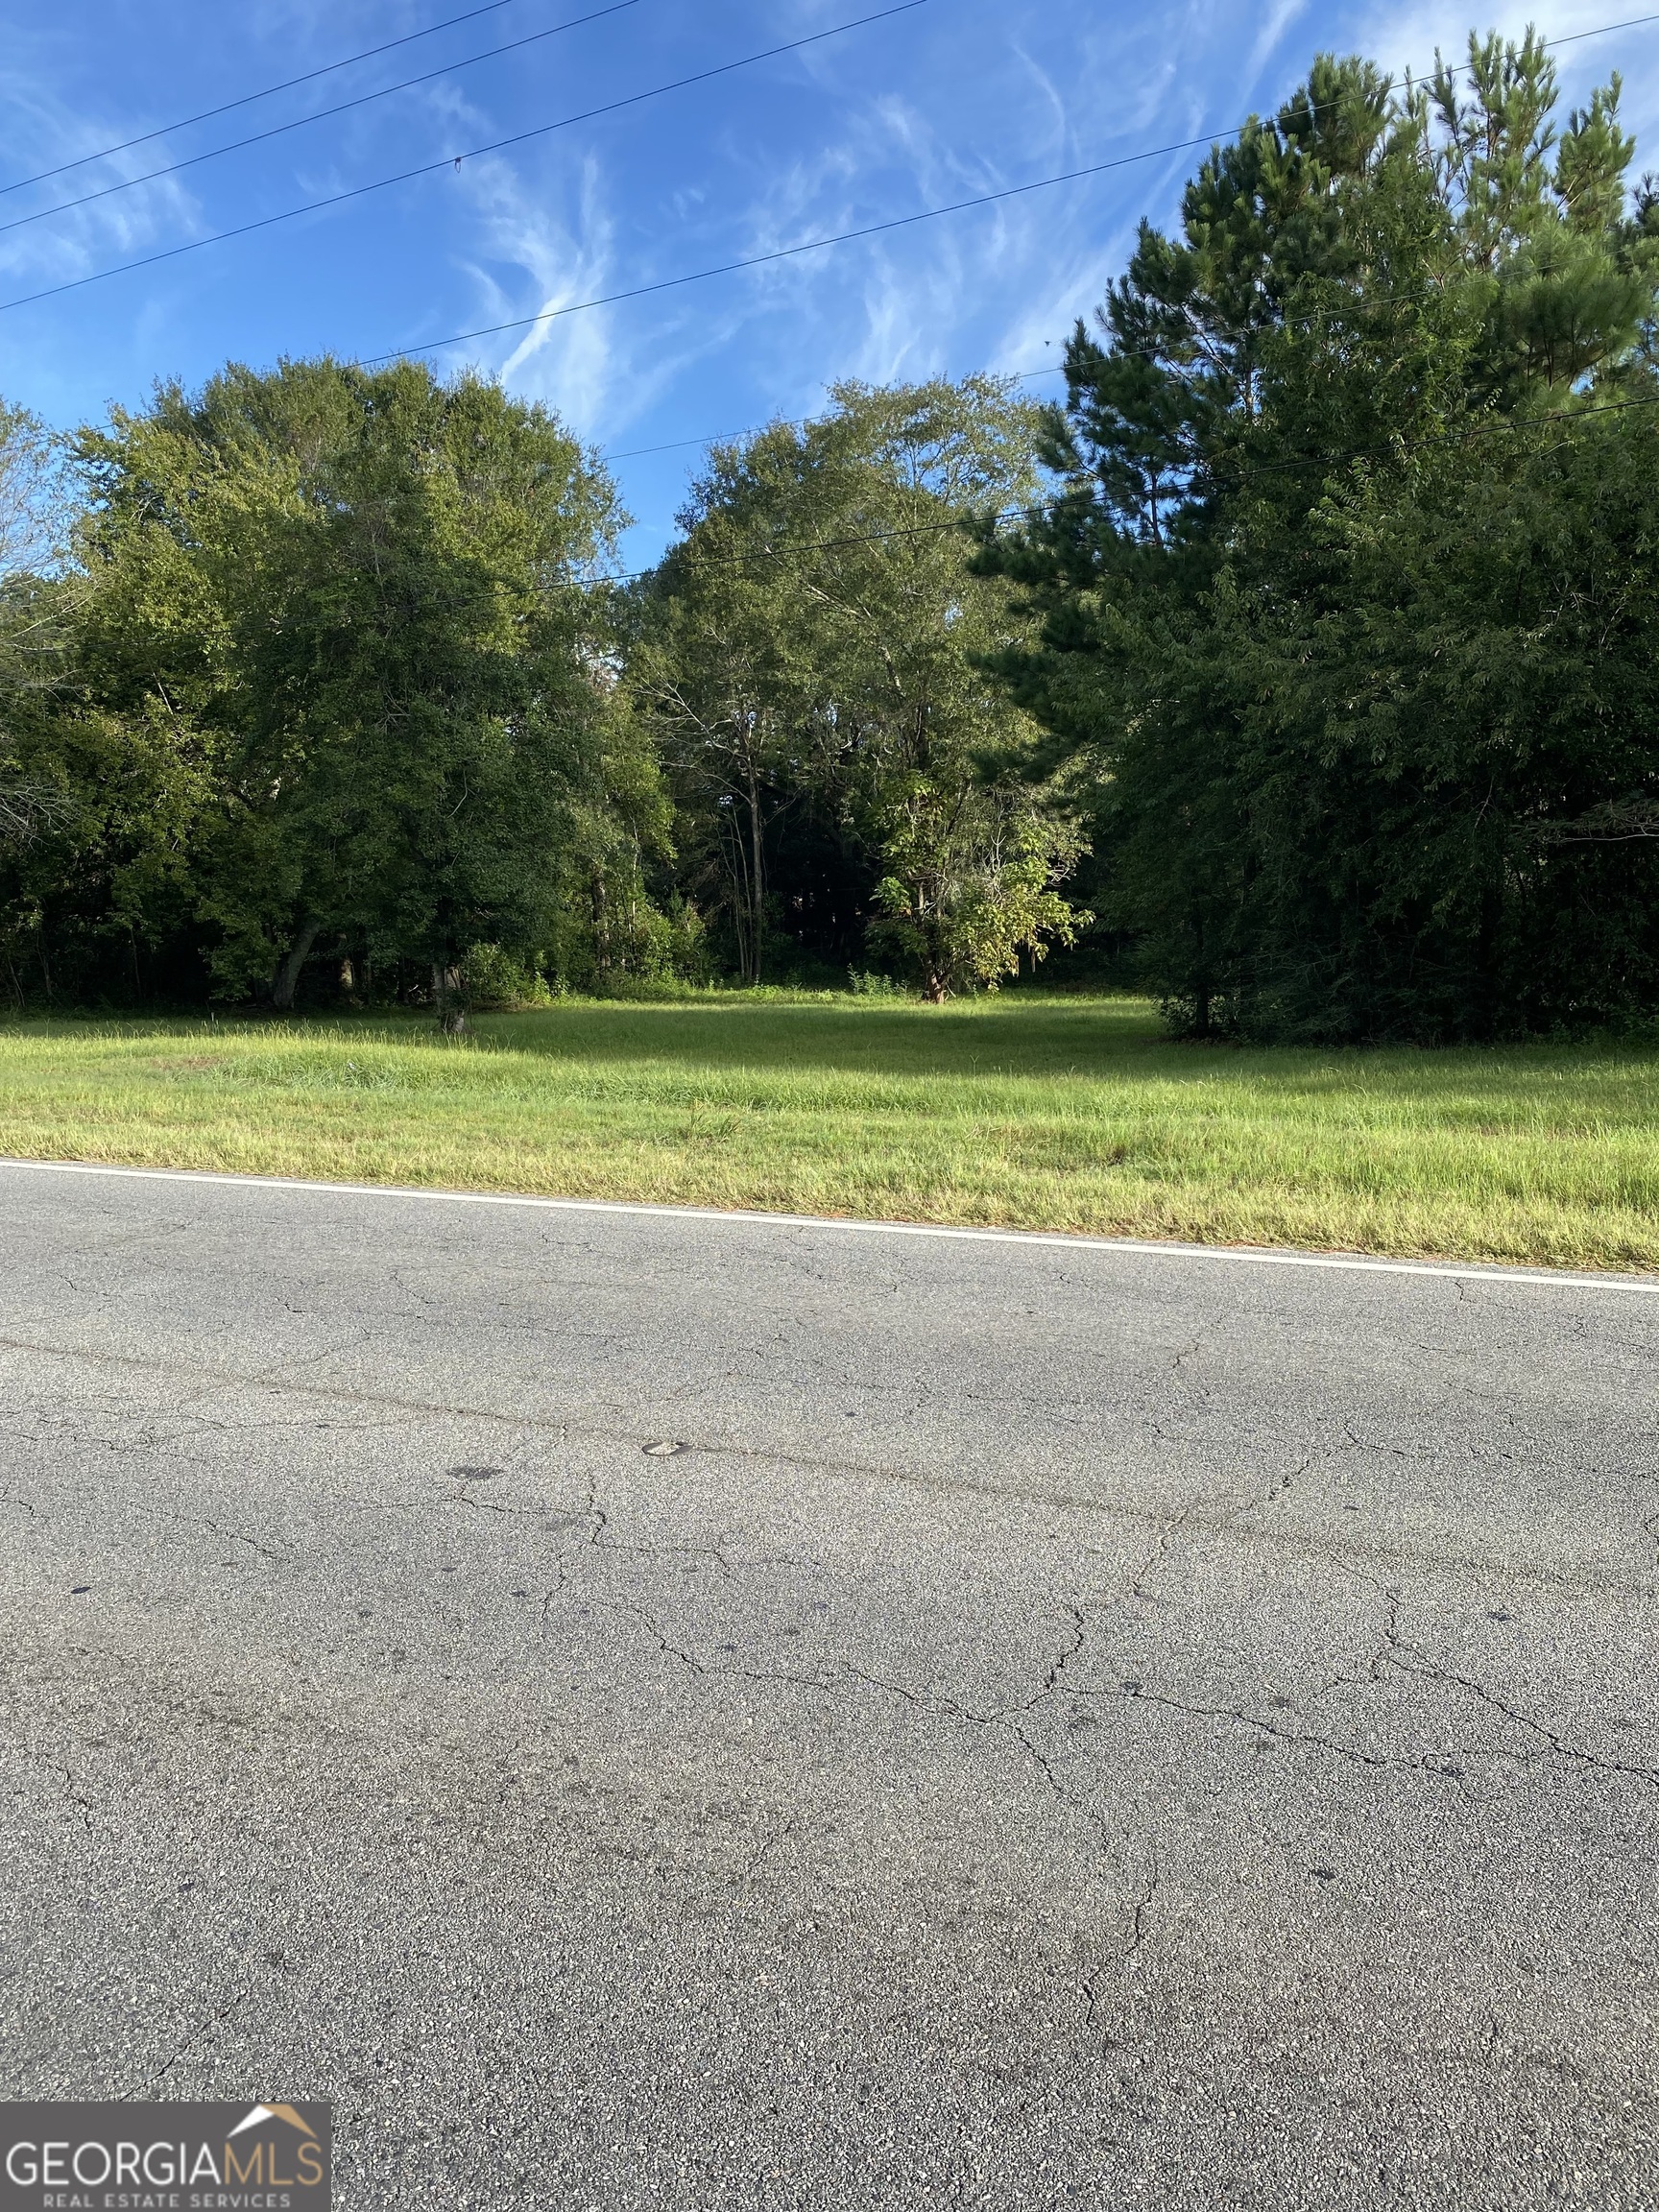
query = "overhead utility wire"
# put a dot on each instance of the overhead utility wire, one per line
(1024, 375)
(747, 262)
(473, 154)
(1328, 308)
(1056, 369)
(247, 99)
(792, 422)
(844, 237)
(722, 268)
(1032, 512)
(321, 115)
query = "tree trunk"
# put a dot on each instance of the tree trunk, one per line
(1487, 991)
(446, 987)
(757, 880)
(1201, 981)
(742, 905)
(929, 912)
(601, 920)
(287, 980)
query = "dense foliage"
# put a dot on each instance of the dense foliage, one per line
(812, 658)
(331, 683)
(1311, 644)
(1348, 594)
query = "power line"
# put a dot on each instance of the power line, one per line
(247, 99)
(1019, 376)
(1058, 369)
(677, 445)
(454, 160)
(1032, 512)
(795, 422)
(321, 115)
(748, 261)
(833, 544)
(865, 230)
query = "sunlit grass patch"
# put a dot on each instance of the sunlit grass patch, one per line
(1032, 1111)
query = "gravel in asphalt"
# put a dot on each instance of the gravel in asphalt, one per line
(1065, 1727)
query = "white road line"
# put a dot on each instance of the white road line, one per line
(1132, 1247)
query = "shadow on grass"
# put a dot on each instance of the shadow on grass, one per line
(1010, 1034)
(1017, 1034)
(1013, 1034)
(1005, 1036)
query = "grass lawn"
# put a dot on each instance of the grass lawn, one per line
(1057, 1113)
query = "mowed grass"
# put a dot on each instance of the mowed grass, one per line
(1023, 1110)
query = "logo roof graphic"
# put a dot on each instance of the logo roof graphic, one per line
(263, 2112)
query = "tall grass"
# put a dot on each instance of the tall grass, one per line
(1023, 1110)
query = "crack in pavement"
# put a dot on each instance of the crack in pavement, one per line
(1338, 1551)
(1051, 1680)
(1138, 1693)
(768, 1843)
(235, 1536)
(82, 1804)
(1397, 1653)
(1429, 1670)
(1135, 1937)
(1159, 1551)
(197, 2035)
(672, 1650)
(1142, 1906)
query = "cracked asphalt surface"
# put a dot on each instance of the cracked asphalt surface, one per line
(1070, 1728)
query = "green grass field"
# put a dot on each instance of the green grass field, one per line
(1055, 1112)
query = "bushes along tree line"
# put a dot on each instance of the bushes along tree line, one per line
(1302, 659)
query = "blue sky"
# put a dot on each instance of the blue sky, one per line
(947, 99)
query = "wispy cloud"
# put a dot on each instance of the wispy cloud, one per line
(545, 245)
(556, 260)
(948, 100)
(984, 287)
(1274, 24)
(40, 130)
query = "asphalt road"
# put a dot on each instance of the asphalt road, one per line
(1071, 1727)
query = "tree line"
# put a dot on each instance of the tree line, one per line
(1296, 668)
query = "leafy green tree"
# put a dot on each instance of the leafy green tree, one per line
(813, 647)
(366, 604)
(88, 809)
(34, 614)
(1345, 594)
